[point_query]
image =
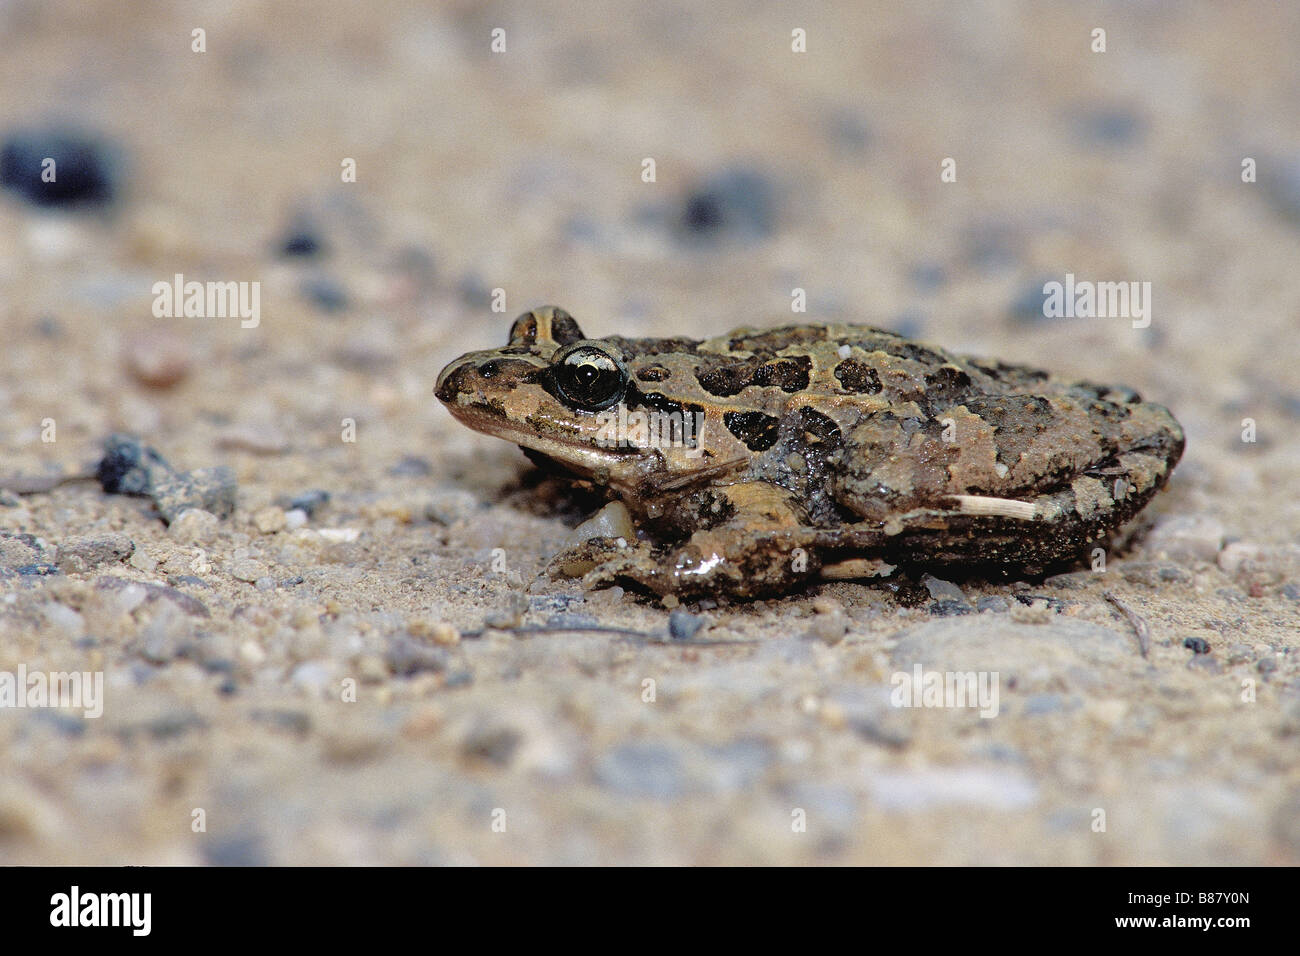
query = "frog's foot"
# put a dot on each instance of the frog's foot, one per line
(720, 562)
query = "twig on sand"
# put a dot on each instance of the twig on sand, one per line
(1139, 626)
(637, 637)
(38, 484)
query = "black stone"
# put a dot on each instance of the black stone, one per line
(130, 467)
(85, 170)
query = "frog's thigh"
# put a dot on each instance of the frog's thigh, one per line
(890, 464)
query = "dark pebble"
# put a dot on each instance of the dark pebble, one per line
(683, 625)
(130, 467)
(949, 608)
(1056, 604)
(301, 240)
(406, 657)
(733, 204)
(85, 169)
(229, 687)
(186, 580)
(412, 466)
(1291, 590)
(309, 501)
(326, 294)
(37, 570)
(1198, 645)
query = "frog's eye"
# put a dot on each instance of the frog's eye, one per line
(588, 377)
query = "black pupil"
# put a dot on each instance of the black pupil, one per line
(591, 381)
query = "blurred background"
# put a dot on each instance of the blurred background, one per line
(508, 146)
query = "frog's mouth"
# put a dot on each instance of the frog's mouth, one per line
(574, 448)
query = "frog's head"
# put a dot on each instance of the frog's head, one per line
(553, 391)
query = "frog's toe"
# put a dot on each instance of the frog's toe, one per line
(586, 556)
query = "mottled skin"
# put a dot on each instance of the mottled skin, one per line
(827, 450)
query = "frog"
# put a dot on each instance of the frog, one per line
(813, 452)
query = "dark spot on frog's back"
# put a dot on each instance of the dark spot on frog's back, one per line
(947, 384)
(758, 431)
(857, 377)
(788, 374)
(729, 378)
(653, 373)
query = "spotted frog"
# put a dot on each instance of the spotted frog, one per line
(814, 451)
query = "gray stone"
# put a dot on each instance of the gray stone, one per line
(90, 551)
(209, 489)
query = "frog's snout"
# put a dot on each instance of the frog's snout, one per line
(480, 373)
(452, 379)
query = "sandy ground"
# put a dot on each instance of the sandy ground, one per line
(285, 687)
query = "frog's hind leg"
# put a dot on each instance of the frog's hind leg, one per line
(1033, 535)
(762, 548)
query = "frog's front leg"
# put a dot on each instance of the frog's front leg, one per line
(762, 547)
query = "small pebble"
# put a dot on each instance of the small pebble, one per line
(212, 489)
(193, 526)
(510, 616)
(269, 520)
(949, 608)
(246, 569)
(160, 359)
(309, 501)
(683, 625)
(444, 634)
(294, 519)
(89, 551)
(406, 657)
(1198, 645)
(141, 561)
(942, 590)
